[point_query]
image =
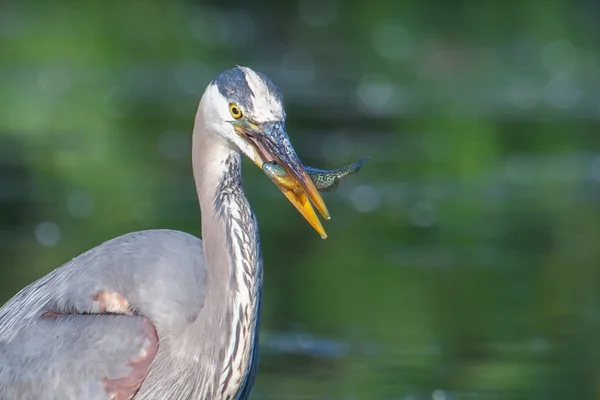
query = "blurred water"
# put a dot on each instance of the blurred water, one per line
(461, 261)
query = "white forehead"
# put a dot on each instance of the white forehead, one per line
(266, 105)
(212, 101)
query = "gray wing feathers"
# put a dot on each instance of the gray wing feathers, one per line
(157, 276)
(160, 273)
(77, 357)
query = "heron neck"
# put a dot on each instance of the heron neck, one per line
(233, 261)
(229, 229)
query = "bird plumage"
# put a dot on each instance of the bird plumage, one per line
(159, 314)
(69, 355)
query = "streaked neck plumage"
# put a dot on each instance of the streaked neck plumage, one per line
(234, 269)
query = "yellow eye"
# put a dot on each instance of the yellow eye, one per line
(235, 111)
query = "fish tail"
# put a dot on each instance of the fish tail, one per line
(352, 168)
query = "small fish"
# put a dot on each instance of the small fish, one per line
(324, 179)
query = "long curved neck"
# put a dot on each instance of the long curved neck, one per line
(233, 261)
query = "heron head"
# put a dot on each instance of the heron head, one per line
(246, 109)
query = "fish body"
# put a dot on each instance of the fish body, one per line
(326, 180)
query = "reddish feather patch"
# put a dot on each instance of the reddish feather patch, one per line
(126, 387)
(111, 302)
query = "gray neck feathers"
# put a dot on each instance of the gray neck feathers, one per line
(243, 249)
(234, 265)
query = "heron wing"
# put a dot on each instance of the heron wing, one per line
(74, 356)
(89, 329)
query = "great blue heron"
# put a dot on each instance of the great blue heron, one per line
(160, 314)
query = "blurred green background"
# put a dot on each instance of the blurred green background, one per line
(462, 261)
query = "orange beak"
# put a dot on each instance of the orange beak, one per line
(271, 143)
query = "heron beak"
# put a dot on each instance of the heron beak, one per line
(271, 143)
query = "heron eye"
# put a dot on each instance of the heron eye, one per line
(235, 111)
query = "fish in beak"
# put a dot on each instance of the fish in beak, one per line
(326, 180)
(271, 144)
